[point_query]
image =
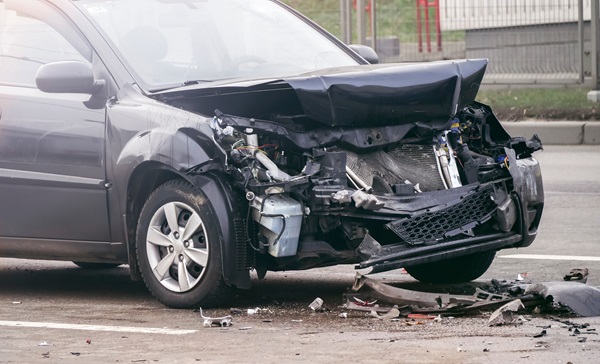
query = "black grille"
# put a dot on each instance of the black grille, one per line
(245, 256)
(473, 210)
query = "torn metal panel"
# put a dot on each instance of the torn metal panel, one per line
(576, 297)
(345, 96)
(507, 314)
(421, 302)
(376, 95)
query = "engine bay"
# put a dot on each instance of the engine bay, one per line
(328, 196)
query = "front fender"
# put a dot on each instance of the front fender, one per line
(148, 138)
(142, 130)
(229, 209)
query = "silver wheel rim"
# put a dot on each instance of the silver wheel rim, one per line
(177, 246)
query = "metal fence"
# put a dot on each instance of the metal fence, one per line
(527, 41)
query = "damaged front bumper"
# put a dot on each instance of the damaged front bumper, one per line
(439, 229)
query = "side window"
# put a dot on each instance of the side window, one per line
(25, 45)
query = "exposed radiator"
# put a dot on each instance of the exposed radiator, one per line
(415, 163)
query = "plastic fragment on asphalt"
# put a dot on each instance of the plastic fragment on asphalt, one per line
(316, 304)
(359, 302)
(223, 321)
(43, 343)
(245, 328)
(88, 341)
(343, 315)
(577, 275)
(506, 314)
(254, 311)
(296, 320)
(391, 314)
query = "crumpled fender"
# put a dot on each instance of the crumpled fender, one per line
(175, 139)
(164, 137)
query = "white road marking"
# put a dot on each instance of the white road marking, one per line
(551, 257)
(52, 325)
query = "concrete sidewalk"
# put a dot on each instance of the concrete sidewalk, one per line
(557, 132)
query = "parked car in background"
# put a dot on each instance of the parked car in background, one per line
(197, 140)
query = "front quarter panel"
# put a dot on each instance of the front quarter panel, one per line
(142, 131)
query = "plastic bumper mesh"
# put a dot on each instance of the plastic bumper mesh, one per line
(426, 227)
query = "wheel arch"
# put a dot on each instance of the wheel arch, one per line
(226, 205)
(144, 179)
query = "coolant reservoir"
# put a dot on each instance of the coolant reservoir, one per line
(280, 220)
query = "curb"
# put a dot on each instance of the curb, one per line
(557, 132)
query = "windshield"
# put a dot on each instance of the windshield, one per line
(169, 43)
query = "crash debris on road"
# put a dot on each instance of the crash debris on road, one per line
(224, 321)
(506, 314)
(571, 296)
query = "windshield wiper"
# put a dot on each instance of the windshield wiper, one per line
(194, 82)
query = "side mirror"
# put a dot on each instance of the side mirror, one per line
(68, 77)
(365, 52)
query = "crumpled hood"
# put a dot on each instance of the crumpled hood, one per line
(386, 94)
(376, 95)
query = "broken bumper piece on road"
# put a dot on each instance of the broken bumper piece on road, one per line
(572, 297)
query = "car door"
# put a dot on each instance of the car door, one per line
(52, 164)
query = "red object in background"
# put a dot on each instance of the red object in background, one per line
(425, 5)
(367, 6)
(367, 10)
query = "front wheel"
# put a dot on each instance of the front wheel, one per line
(178, 247)
(455, 270)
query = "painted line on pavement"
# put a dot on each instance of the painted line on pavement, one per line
(52, 325)
(551, 257)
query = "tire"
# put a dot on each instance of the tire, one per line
(87, 265)
(455, 270)
(178, 234)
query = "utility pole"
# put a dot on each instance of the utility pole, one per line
(346, 20)
(361, 23)
(594, 94)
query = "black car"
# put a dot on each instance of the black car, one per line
(197, 140)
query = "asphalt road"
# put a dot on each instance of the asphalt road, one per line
(48, 310)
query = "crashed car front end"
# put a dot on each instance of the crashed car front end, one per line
(384, 166)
